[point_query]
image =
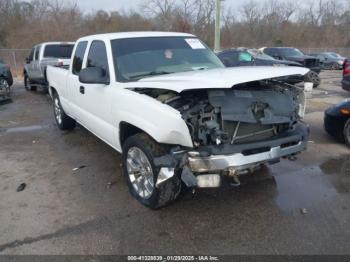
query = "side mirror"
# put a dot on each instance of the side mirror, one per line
(27, 60)
(94, 75)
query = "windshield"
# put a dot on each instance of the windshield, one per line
(136, 58)
(291, 52)
(259, 54)
(58, 51)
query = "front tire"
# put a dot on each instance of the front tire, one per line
(27, 84)
(64, 122)
(141, 174)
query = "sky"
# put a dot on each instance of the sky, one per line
(113, 5)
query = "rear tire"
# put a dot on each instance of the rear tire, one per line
(141, 174)
(314, 78)
(27, 84)
(64, 122)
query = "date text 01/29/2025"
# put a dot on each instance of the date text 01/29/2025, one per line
(173, 258)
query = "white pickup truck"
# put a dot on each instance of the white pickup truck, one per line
(167, 103)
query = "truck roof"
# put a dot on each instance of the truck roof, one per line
(56, 43)
(121, 35)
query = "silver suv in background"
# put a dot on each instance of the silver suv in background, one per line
(42, 55)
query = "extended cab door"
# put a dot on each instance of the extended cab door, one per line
(94, 100)
(71, 95)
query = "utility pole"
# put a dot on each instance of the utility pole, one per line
(217, 44)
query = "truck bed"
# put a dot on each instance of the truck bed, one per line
(57, 77)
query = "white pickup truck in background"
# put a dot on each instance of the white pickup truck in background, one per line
(43, 55)
(167, 103)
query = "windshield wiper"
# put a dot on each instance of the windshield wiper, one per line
(152, 73)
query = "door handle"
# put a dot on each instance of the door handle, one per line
(82, 90)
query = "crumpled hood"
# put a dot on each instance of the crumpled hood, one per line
(215, 78)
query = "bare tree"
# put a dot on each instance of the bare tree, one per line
(316, 23)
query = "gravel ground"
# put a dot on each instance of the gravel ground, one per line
(299, 207)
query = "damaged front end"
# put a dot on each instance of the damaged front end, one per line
(234, 131)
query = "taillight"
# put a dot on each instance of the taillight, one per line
(60, 63)
(345, 111)
(346, 67)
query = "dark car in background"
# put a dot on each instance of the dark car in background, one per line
(250, 57)
(336, 55)
(254, 57)
(346, 75)
(6, 79)
(295, 55)
(329, 60)
(337, 121)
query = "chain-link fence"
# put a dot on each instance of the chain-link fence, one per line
(15, 58)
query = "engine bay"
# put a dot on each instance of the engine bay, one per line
(248, 112)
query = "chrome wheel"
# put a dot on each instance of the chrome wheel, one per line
(58, 111)
(4, 87)
(140, 172)
(314, 78)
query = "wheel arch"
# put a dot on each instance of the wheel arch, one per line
(127, 130)
(52, 91)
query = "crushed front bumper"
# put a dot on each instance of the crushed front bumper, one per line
(240, 161)
(247, 155)
(214, 159)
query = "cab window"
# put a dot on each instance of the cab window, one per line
(79, 57)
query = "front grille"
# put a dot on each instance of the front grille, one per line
(240, 133)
